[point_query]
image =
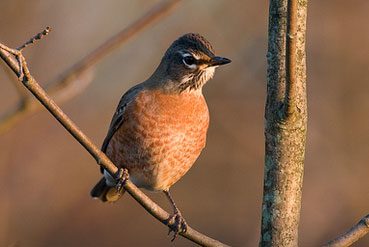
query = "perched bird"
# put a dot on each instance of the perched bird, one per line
(160, 125)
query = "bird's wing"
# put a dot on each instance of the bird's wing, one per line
(119, 115)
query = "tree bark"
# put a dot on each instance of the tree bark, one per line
(285, 123)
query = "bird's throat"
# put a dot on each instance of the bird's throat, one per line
(196, 81)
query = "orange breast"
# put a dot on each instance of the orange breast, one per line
(161, 138)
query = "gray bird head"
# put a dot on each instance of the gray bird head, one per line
(188, 64)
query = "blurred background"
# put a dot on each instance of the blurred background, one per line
(46, 176)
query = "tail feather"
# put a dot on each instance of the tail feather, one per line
(104, 192)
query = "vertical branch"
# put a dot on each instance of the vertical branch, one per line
(286, 120)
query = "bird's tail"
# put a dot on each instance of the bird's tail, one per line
(105, 192)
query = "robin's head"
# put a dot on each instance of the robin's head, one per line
(189, 63)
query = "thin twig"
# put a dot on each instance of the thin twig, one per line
(351, 236)
(31, 84)
(74, 80)
(38, 36)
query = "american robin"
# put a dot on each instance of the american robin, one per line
(160, 125)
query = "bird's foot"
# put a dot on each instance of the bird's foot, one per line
(121, 177)
(176, 224)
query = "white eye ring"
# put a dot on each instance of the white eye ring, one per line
(189, 58)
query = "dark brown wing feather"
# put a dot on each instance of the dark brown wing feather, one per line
(101, 190)
(119, 115)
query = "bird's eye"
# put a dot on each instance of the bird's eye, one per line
(189, 61)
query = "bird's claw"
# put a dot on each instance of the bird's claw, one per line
(176, 224)
(121, 177)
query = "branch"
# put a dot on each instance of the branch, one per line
(35, 38)
(31, 84)
(285, 123)
(75, 79)
(351, 236)
(21, 91)
(25, 104)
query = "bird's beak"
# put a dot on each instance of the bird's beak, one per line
(216, 61)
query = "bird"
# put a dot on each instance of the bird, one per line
(159, 127)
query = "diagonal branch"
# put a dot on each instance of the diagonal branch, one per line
(351, 236)
(75, 79)
(31, 84)
(154, 14)
(35, 38)
(21, 91)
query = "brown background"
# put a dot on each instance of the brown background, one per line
(45, 175)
